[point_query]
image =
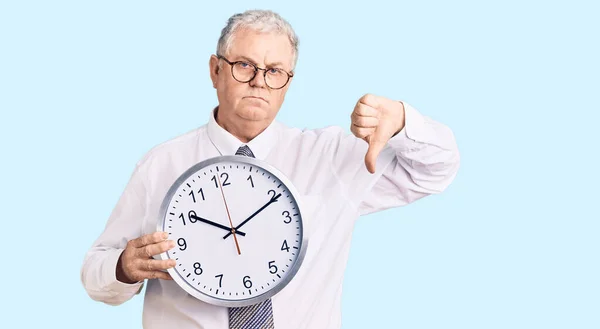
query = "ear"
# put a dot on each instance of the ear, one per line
(213, 65)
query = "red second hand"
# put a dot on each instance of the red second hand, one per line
(229, 216)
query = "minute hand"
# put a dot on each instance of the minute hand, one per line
(273, 199)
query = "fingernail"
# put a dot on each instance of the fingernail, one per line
(165, 235)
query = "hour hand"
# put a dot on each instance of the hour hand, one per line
(204, 220)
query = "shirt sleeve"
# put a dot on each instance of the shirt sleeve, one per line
(422, 159)
(98, 272)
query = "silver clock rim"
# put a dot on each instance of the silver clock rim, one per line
(304, 241)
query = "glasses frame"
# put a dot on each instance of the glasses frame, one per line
(256, 69)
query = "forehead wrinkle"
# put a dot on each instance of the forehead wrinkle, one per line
(236, 47)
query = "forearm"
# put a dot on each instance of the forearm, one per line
(99, 277)
(420, 160)
(426, 151)
(99, 269)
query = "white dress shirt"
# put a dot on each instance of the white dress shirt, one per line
(325, 165)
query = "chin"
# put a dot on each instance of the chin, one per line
(253, 112)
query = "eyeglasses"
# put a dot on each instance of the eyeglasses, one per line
(243, 72)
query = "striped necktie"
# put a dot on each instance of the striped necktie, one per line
(245, 151)
(258, 316)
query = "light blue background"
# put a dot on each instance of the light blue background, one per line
(86, 88)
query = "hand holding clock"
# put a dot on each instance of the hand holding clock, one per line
(136, 264)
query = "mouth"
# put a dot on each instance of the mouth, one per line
(257, 97)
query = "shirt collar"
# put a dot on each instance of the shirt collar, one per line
(227, 144)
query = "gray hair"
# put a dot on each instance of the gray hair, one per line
(260, 21)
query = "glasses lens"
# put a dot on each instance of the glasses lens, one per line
(276, 78)
(243, 72)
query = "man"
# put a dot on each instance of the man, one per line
(395, 156)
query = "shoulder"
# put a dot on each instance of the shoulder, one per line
(171, 147)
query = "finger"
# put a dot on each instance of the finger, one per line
(157, 275)
(361, 132)
(149, 239)
(365, 110)
(365, 122)
(370, 100)
(375, 147)
(154, 249)
(158, 264)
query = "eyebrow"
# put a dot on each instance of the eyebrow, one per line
(254, 62)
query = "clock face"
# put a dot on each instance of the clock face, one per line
(233, 194)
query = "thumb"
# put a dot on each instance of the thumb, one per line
(375, 146)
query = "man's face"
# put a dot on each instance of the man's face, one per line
(254, 100)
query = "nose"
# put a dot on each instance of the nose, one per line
(259, 80)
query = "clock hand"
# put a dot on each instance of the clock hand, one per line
(273, 199)
(204, 220)
(229, 216)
